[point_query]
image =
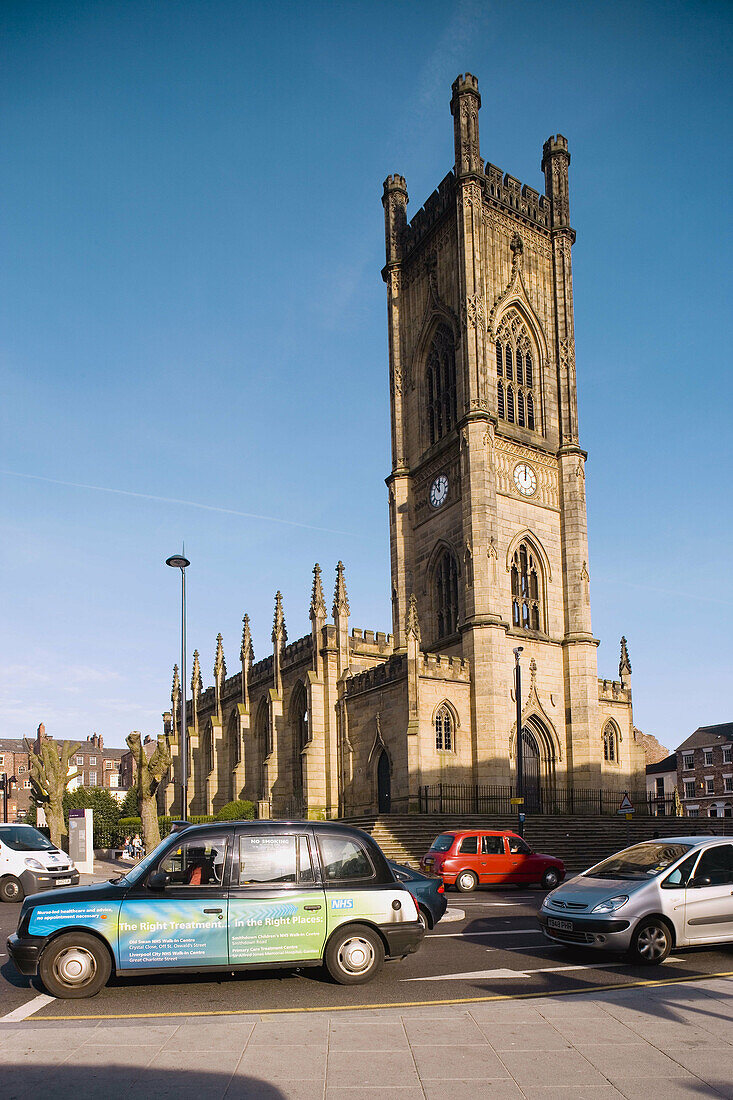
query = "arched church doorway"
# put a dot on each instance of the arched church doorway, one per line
(531, 772)
(384, 784)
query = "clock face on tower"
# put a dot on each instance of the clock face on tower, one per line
(525, 479)
(439, 491)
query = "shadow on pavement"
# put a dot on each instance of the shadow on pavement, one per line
(91, 1079)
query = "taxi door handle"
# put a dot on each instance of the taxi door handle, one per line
(311, 908)
(212, 910)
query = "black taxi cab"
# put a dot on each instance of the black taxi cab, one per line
(227, 896)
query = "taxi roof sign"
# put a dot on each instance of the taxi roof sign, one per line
(626, 806)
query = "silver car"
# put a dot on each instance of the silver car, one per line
(648, 899)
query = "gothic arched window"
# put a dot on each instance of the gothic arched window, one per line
(445, 734)
(515, 362)
(209, 750)
(526, 589)
(610, 743)
(235, 742)
(301, 718)
(446, 595)
(440, 383)
(264, 732)
(501, 400)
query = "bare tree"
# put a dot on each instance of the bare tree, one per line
(149, 772)
(50, 776)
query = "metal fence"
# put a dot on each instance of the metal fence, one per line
(467, 798)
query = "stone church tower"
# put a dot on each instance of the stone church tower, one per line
(488, 536)
(487, 490)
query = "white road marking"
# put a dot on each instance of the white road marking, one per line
(504, 973)
(27, 1009)
(502, 932)
(453, 915)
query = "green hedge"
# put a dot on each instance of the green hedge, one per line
(239, 810)
(133, 825)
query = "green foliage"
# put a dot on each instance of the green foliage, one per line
(133, 825)
(129, 806)
(106, 811)
(105, 805)
(239, 810)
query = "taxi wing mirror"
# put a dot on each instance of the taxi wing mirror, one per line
(701, 880)
(158, 880)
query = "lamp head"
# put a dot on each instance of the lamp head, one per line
(519, 651)
(177, 561)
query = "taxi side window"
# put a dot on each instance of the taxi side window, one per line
(198, 862)
(492, 845)
(274, 860)
(344, 859)
(715, 867)
(469, 846)
(517, 847)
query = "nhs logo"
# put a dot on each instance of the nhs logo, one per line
(342, 903)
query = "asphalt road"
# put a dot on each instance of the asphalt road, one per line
(493, 949)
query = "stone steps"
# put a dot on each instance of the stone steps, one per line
(578, 841)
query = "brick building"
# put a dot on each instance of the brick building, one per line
(96, 765)
(14, 762)
(488, 537)
(705, 772)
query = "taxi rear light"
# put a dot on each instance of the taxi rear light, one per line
(441, 889)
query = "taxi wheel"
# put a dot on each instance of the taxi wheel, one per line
(652, 941)
(466, 882)
(550, 879)
(422, 916)
(354, 955)
(75, 965)
(11, 889)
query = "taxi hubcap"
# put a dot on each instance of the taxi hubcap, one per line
(75, 966)
(356, 955)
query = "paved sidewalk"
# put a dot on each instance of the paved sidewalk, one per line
(671, 1042)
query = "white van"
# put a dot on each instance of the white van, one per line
(29, 863)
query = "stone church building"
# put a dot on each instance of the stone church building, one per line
(488, 536)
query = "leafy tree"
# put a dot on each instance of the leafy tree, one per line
(50, 776)
(129, 804)
(239, 810)
(149, 772)
(105, 806)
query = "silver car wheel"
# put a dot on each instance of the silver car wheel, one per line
(652, 943)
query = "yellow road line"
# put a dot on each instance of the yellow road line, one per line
(395, 1004)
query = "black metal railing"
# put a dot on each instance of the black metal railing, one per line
(468, 798)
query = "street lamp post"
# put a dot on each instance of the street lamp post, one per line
(179, 562)
(520, 743)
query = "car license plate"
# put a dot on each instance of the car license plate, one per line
(563, 925)
(63, 882)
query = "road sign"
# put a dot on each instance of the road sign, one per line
(516, 801)
(626, 806)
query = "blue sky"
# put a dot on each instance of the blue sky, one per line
(191, 310)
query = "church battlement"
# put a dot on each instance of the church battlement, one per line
(431, 212)
(367, 641)
(387, 672)
(520, 198)
(298, 651)
(438, 666)
(613, 691)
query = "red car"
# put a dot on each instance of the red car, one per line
(468, 857)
